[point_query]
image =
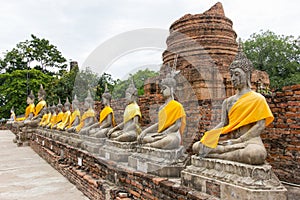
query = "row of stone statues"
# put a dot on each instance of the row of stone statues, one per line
(235, 138)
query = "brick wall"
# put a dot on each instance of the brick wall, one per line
(282, 137)
(102, 179)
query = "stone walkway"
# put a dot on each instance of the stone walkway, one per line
(24, 175)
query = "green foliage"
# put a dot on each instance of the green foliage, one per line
(139, 79)
(37, 52)
(109, 81)
(14, 88)
(85, 80)
(278, 55)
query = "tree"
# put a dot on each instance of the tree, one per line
(105, 79)
(278, 55)
(15, 86)
(139, 78)
(35, 53)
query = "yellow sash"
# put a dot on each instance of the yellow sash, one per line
(249, 108)
(48, 119)
(73, 117)
(169, 114)
(105, 112)
(43, 120)
(131, 111)
(89, 113)
(65, 120)
(39, 107)
(29, 109)
(53, 120)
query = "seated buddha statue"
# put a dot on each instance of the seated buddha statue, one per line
(167, 133)
(75, 116)
(59, 116)
(53, 117)
(66, 117)
(89, 116)
(29, 114)
(46, 117)
(244, 116)
(129, 129)
(12, 117)
(39, 108)
(106, 120)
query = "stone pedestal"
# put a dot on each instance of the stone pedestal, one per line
(92, 144)
(117, 151)
(232, 180)
(165, 163)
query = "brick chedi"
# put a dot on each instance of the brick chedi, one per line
(205, 45)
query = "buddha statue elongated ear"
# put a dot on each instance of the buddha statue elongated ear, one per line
(241, 61)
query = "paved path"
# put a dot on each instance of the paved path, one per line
(26, 176)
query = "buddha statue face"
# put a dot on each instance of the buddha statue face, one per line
(166, 91)
(29, 100)
(238, 78)
(129, 97)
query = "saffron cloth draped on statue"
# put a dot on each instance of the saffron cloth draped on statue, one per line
(105, 112)
(131, 111)
(249, 108)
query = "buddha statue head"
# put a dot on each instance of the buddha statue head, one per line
(241, 69)
(88, 101)
(106, 96)
(59, 105)
(41, 93)
(168, 85)
(67, 104)
(30, 98)
(75, 103)
(53, 108)
(131, 93)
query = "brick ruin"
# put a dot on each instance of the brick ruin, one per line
(204, 71)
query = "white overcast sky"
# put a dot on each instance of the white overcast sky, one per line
(78, 27)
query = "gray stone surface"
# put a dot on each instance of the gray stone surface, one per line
(24, 175)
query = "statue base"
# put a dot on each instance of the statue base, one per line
(164, 163)
(233, 180)
(117, 151)
(92, 144)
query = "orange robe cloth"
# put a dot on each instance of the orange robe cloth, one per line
(89, 113)
(131, 111)
(65, 120)
(249, 108)
(105, 112)
(39, 107)
(29, 109)
(74, 114)
(169, 114)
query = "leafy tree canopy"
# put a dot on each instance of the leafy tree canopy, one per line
(278, 55)
(35, 53)
(15, 86)
(139, 78)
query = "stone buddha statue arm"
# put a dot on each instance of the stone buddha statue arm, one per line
(118, 127)
(151, 129)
